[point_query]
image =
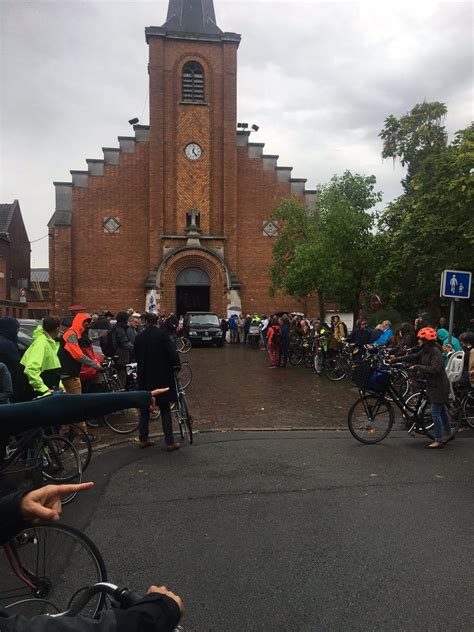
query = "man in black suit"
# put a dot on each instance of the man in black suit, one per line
(157, 360)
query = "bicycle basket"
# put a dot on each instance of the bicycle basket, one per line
(367, 377)
(21, 475)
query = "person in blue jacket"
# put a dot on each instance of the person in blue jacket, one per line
(387, 333)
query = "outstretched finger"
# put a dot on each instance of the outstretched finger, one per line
(70, 488)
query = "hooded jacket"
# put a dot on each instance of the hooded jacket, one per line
(123, 346)
(9, 354)
(41, 364)
(71, 356)
(443, 336)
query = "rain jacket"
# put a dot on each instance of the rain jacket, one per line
(41, 364)
(71, 356)
(443, 336)
(9, 354)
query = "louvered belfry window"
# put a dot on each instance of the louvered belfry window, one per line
(193, 82)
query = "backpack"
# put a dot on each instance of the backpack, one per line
(107, 343)
(276, 338)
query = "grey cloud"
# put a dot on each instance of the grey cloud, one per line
(319, 78)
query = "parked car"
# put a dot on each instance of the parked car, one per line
(25, 335)
(203, 328)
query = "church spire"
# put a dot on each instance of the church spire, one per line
(192, 16)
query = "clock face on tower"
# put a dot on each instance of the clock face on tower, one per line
(193, 151)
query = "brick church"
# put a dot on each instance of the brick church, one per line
(181, 210)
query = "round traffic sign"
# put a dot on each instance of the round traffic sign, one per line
(375, 302)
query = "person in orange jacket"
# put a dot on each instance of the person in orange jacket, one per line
(72, 357)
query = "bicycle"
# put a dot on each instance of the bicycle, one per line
(335, 365)
(183, 344)
(371, 417)
(43, 566)
(181, 410)
(123, 421)
(57, 459)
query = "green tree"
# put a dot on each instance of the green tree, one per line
(329, 249)
(414, 136)
(430, 227)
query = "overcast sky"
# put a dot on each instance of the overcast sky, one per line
(319, 78)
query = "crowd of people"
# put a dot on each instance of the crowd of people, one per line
(62, 356)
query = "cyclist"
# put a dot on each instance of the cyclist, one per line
(467, 378)
(40, 362)
(429, 361)
(160, 610)
(387, 333)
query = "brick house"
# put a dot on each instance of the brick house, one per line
(182, 207)
(14, 261)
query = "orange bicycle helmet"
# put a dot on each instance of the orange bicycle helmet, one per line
(427, 333)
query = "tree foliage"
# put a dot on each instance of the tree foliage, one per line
(430, 227)
(415, 136)
(343, 250)
(328, 249)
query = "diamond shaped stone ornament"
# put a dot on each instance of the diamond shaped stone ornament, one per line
(270, 228)
(111, 225)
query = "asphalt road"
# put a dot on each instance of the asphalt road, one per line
(288, 531)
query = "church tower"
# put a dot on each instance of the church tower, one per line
(193, 158)
(177, 216)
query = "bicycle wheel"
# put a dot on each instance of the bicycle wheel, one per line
(334, 369)
(185, 345)
(370, 419)
(43, 567)
(185, 420)
(468, 409)
(427, 423)
(400, 383)
(185, 375)
(80, 440)
(61, 462)
(123, 421)
(295, 356)
(319, 363)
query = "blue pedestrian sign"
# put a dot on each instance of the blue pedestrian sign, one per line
(456, 284)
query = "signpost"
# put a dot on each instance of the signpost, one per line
(455, 285)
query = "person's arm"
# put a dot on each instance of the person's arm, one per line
(60, 409)
(435, 368)
(5, 379)
(171, 352)
(412, 357)
(156, 612)
(75, 351)
(34, 366)
(122, 339)
(384, 338)
(12, 521)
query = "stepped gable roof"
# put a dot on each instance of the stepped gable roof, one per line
(6, 215)
(192, 16)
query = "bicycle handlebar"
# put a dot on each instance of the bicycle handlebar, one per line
(125, 597)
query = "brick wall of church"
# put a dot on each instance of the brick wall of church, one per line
(258, 193)
(108, 270)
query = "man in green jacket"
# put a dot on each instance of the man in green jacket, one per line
(41, 365)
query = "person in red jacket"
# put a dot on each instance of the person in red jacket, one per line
(72, 357)
(274, 342)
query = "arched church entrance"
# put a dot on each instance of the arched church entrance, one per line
(193, 291)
